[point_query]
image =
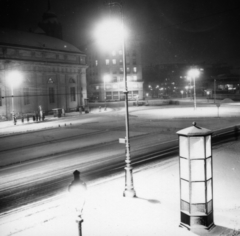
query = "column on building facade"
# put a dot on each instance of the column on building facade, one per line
(83, 81)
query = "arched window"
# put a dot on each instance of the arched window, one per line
(51, 81)
(71, 81)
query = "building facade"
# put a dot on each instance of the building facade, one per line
(105, 73)
(53, 73)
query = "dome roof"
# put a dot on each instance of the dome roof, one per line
(50, 16)
(21, 39)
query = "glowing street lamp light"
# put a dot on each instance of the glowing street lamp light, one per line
(182, 93)
(111, 33)
(194, 73)
(14, 78)
(77, 195)
(196, 178)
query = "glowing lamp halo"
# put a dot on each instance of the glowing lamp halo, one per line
(110, 33)
(193, 73)
(14, 78)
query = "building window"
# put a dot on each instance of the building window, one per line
(26, 99)
(121, 70)
(115, 95)
(114, 61)
(107, 61)
(0, 97)
(51, 81)
(51, 95)
(134, 61)
(109, 95)
(120, 61)
(96, 63)
(72, 94)
(113, 53)
(135, 69)
(135, 78)
(134, 53)
(71, 81)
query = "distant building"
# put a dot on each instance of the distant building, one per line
(171, 80)
(53, 73)
(105, 73)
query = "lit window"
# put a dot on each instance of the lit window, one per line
(96, 62)
(97, 87)
(135, 69)
(51, 81)
(135, 77)
(107, 61)
(114, 61)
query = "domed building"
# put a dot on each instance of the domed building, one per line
(50, 24)
(52, 71)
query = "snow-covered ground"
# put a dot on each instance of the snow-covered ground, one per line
(155, 211)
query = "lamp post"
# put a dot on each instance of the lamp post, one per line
(196, 178)
(77, 190)
(182, 93)
(208, 93)
(114, 37)
(14, 79)
(194, 73)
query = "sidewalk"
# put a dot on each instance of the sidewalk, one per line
(8, 128)
(155, 211)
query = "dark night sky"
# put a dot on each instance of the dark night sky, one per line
(171, 31)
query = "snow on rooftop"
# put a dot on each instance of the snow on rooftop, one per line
(21, 38)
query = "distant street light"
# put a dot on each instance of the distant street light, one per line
(14, 78)
(208, 93)
(182, 93)
(112, 32)
(77, 190)
(194, 73)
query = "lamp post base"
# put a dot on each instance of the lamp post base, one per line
(129, 189)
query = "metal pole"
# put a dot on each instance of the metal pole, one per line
(214, 90)
(12, 101)
(129, 188)
(194, 87)
(80, 226)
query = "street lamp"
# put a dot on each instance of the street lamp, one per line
(182, 93)
(14, 78)
(194, 73)
(111, 32)
(77, 194)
